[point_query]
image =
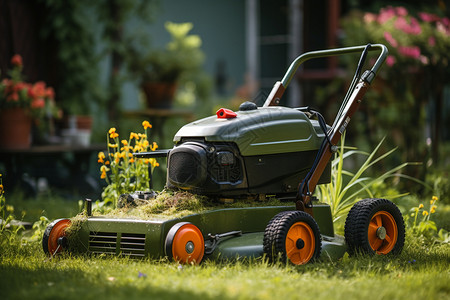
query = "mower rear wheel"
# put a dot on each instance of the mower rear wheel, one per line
(185, 244)
(54, 240)
(374, 226)
(293, 236)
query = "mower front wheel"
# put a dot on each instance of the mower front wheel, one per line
(293, 236)
(54, 239)
(185, 244)
(374, 226)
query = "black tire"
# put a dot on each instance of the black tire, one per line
(374, 226)
(299, 246)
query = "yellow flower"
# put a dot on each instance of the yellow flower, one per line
(425, 213)
(154, 146)
(420, 206)
(433, 199)
(146, 125)
(1, 188)
(125, 142)
(104, 168)
(112, 133)
(117, 156)
(10, 208)
(103, 175)
(101, 156)
(107, 162)
(433, 209)
(131, 160)
(154, 163)
(145, 144)
(113, 145)
(134, 135)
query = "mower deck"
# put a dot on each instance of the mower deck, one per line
(241, 232)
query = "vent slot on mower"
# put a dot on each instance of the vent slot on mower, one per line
(102, 242)
(132, 244)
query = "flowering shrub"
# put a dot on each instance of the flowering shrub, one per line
(37, 98)
(413, 78)
(121, 171)
(413, 40)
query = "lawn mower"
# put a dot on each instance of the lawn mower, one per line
(253, 153)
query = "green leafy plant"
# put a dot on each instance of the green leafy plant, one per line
(38, 229)
(347, 187)
(8, 232)
(181, 56)
(121, 171)
(70, 24)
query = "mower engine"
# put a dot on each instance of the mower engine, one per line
(256, 151)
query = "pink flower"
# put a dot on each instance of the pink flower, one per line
(413, 51)
(390, 60)
(446, 21)
(427, 17)
(440, 26)
(413, 28)
(401, 11)
(431, 41)
(386, 14)
(424, 60)
(390, 39)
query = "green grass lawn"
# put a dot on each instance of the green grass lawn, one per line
(420, 272)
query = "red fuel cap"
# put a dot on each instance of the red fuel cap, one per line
(225, 113)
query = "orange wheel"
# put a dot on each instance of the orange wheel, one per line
(293, 236)
(300, 243)
(382, 232)
(54, 240)
(185, 243)
(374, 226)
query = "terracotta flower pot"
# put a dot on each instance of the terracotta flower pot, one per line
(159, 94)
(15, 129)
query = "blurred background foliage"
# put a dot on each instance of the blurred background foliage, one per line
(95, 41)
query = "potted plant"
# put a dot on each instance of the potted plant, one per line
(22, 104)
(159, 70)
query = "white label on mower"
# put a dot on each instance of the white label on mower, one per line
(342, 129)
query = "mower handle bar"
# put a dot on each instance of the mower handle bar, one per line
(334, 52)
